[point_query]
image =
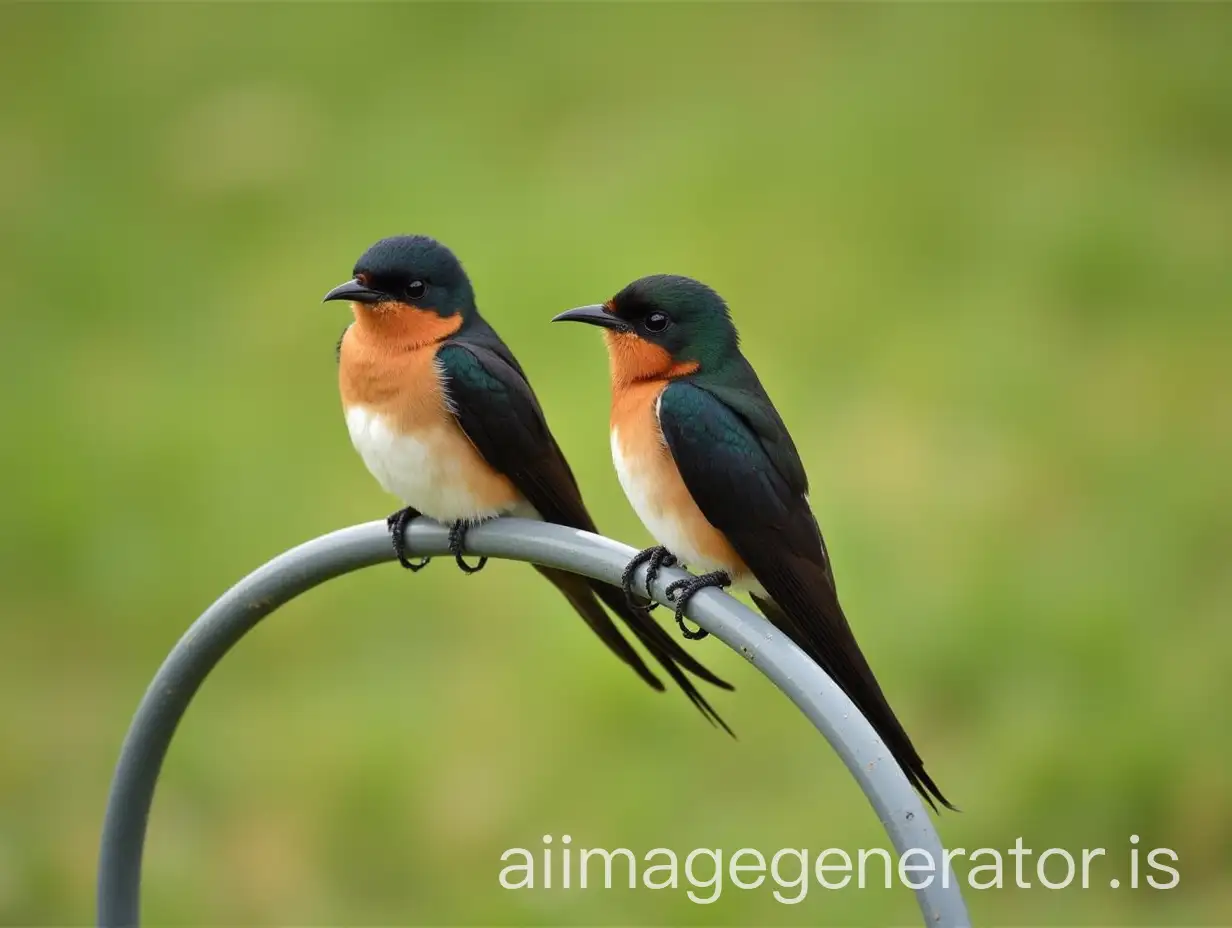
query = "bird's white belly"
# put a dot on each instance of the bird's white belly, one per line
(667, 528)
(421, 469)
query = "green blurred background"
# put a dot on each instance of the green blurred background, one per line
(980, 256)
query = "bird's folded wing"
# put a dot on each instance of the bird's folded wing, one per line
(743, 493)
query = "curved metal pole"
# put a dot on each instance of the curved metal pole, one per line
(286, 576)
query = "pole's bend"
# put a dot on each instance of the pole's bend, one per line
(286, 576)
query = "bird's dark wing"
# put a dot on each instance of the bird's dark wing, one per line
(498, 411)
(765, 516)
(745, 396)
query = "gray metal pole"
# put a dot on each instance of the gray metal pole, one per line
(286, 576)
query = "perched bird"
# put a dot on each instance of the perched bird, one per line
(444, 418)
(711, 470)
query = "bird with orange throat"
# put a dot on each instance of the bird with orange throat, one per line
(711, 470)
(444, 418)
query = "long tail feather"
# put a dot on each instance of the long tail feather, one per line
(585, 595)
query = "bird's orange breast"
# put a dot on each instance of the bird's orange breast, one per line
(652, 481)
(391, 383)
(400, 382)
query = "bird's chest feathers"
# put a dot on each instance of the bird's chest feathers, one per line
(652, 482)
(400, 420)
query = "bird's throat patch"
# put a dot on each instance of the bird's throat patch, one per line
(404, 327)
(635, 359)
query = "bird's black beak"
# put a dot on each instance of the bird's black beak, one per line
(593, 315)
(355, 292)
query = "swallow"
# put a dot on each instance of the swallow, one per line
(444, 418)
(712, 472)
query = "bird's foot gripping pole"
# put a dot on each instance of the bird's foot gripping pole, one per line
(397, 524)
(457, 541)
(687, 589)
(655, 559)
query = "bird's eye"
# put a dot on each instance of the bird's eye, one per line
(416, 289)
(657, 322)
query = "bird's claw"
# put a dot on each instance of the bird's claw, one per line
(658, 560)
(457, 538)
(654, 558)
(397, 524)
(687, 590)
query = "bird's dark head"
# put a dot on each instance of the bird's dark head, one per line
(662, 326)
(409, 283)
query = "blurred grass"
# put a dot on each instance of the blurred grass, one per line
(980, 256)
